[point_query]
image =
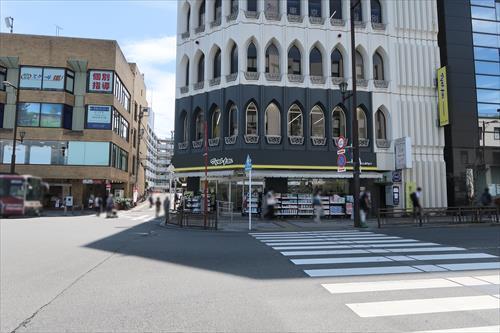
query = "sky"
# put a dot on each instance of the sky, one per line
(145, 31)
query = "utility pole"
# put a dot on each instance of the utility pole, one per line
(14, 136)
(205, 215)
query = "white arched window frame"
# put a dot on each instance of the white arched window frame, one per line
(201, 14)
(201, 68)
(216, 121)
(376, 11)
(217, 64)
(295, 121)
(337, 63)
(233, 68)
(338, 122)
(273, 120)
(272, 59)
(185, 129)
(378, 67)
(360, 66)
(294, 61)
(199, 126)
(252, 120)
(317, 121)
(186, 73)
(252, 58)
(315, 62)
(380, 125)
(362, 124)
(233, 121)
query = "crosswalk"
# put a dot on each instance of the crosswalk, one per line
(375, 258)
(136, 216)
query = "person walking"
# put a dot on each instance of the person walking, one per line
(151, 201)
(364, 206)
(271, 201)
(166, 208)
(158, 206)
(416, 200)
(318, 208)
(486, 198)
(97, 206)
(109, 206)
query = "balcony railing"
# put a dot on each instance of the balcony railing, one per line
(316, 20)
(383, 143)
(273, 76)
(273, 139)
(197, 144)
(251, 138)
(185, 35)
(364, 142)
(184, 89)
(337, 80)
(295, 18)
(182, 145)
(318, 141)
(213, 142)
(199, 29)
(378, 26)
(296, 140)
(360, 24)
(215, 23)
(362, 83)
(252, 14)
(272, 16)
(199, 85)
(231, 77)
(254, 76)
(381, 83)
(296, 78)
(317, 79)
(232, 17)
(337, 22)
(214, 82)
(230, 140)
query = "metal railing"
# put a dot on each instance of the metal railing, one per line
(186, 219)
(225, 209)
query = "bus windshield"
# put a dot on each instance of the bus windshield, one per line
(11, 188)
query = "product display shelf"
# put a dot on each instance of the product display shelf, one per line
(286, 205)
(252, 205)
(298, 205)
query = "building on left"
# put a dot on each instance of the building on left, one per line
(79, 115)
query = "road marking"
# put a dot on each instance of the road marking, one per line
(348, 260)
(429, 249)
(410, 245)
(429, 268)
(140, 217)
(471, 266)
(360, 287)
(361, 271)
(388, 241)
(302, 232)
(320, 253)
(468, 281)
(317, 236)
(452, 256)
(324, 239)
(494, 279)
(482, 329)
(421, 306)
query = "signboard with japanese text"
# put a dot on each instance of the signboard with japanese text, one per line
(98, 117)
(53, 78)
(100, 81)
(443, 97)
(403, 153)
(31, 77)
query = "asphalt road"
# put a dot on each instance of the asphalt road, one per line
(90, 274)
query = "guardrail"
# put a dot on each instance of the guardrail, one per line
(447, 215)
(224, 209)
(185, 219)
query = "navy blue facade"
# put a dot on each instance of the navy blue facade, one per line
(264, 153)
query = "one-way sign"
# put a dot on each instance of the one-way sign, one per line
(248, 164)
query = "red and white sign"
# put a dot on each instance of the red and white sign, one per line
(100, 81)
(108, 186)
(341, 142)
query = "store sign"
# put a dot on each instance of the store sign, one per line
(31, 77)
(443, 97)
(100, 81)
(53, 78)
(99, 116)
(221, 161)
(403, 152)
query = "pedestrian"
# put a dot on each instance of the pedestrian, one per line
(97, 206)
(166, 208)
(364, 206)
(109, 206)
(158, 206)
(91, 201)
(271, 202)
(151, 201)
(486, 198)
(318, 208)
(416, 200)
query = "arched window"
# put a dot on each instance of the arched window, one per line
(234, 6)
(294, 61)
(378, 67)
(360, 67)
(201, 69)
(380, 125)
(362, 124)
(376, 10)
(272, 60)
(233, 120)
(188, 18)
(217, 64)
(216, 117)
(273, 120)
(295, 121)
(358, 13)
(315, 8)
(251, 120)
(272, 7)
(201, 14)
(337, 64)
(199, 126)
(252, 5)
(187, 73)
(315, 63)
(293, 7)
(217, 10)
(336, 9)
(317, 122)
(338, 122)
(252, 58)
(234, 60)
(184, 133)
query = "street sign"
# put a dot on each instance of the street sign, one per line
(248, 164)
(248, 168)
(341, 152)
(396, 176)
(341, 162)
(341, 142)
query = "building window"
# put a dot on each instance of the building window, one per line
(376, 10)
(188, 18)
(201, 14)
(496, 133)
(119, 158)
(217, 10)
(272, 7)
(233, 120)
(199, 126)
(360, 67)
(1, 114)
(234, 6)
(336, 9)
(251, 120)
(378, 67)
(338, 123)
(273, 120)
(122, 94)
(234, 60)
(120, 125)
(3, 77)
(201, 69)
(380, 125)
(252, 58)
(217, 64)
(184, 130)
(216, 123)
(362, 124)
(315, 8)
(186, 73)
(337, 64)
(293, 7)
(315, 63)
(44, 78)
(358, 13)
(272, 60)
(134, 137)
(294, 61)
(42, 114)
(295, 121)
(317, 122)
(252, 5)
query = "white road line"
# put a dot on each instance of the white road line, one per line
(361, 271)
(325, 239)
(452, 256)
(428, 249)
(482, 329)
(319, 242)
(140, 217)
(421, 306)
(429, 268)
(496, 295)
(408, 245)
(495, 279)
(388, 241)
(468, 281)
(361, 287)
(333, 252)
(300, 232)
(471, 266)
(321, 235)
(348, 260)
(320, 253)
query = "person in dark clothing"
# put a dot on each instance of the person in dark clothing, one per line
(151, 201)
(486, 198)
(364, 206)
(158, 206)
(416, 200)
(166, 208)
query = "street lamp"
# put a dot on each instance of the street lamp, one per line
(14, 137)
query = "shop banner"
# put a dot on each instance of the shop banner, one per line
(100, 81)
(98, 117)
(410, 187)
(53, 78)
(443, 97)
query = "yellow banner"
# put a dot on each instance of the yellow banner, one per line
(410, 187)
(443, 97)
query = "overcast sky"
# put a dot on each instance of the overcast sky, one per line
(145, 31)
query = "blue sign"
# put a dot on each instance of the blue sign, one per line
(396, 176)
(341, 160)
(248, 164)
(98, 117)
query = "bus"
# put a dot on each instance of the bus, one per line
(21, 195)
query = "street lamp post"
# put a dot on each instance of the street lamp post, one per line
(14, 137)
(140, 133)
